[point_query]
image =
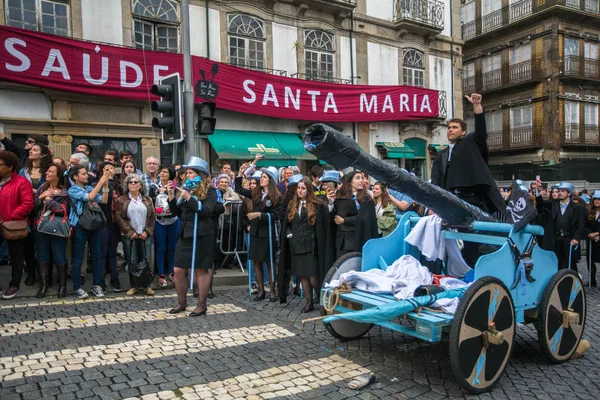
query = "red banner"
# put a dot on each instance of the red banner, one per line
(60, 63)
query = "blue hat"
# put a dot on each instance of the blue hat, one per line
(256, 175)
(567, 186)
(596, 194)
(331, 176)
(294, 179)
(197, 163)
(271, 172)
(585, 198)
(555, 186)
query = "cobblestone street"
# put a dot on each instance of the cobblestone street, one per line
(123, 347)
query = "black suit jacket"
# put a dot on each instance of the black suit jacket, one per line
(259, 227)
(186, 210)
(468, 167)
(552, 209)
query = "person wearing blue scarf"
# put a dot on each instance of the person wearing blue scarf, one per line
(195, 206)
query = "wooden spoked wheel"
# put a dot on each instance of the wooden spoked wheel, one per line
(344, 330)
(562, 316)
(481, 338)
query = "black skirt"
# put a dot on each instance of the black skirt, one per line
(259, 249)
(306, 264)
(205, 252)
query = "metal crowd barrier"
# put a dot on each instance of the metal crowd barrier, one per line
(235, 238)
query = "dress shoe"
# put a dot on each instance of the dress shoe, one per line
(177, 309)
(211, 295)
(308, 308)
(272, 299)
(282, 300)
(260, 297)
(199, 313)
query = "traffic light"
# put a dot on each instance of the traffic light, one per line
(169, 106)
(206, 118)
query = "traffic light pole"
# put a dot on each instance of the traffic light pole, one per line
(188, 87)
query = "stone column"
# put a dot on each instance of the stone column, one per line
(61, 146)
(150, 148)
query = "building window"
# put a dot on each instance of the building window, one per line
(246, 41)
(39, 15)
(156, 25)
(318, 55)
(467, 19)
(591, 120)
(413, 68)
(101, 145)
(571, 121)
(493, 121)
(521, 125)
(520, 54)
(468, 76)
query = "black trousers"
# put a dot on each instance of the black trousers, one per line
(562, 247)
(16, 252)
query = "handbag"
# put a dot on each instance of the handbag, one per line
(141, 274)
(92, 217)
(50, 225)
(14, 230)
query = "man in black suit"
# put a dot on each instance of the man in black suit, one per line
(564, 226)
(462, 167)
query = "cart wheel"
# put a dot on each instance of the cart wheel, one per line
(481, 338)
(345, 330)
(562, 316)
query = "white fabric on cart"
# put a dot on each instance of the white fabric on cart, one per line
(426, 236)
(401, 278)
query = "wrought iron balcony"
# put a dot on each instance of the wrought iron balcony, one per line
(340, 8)
(514, 138)
(577, 134)
(421, 16)
(508, 75)
(524, 9)
(494, 140)
(581, 67)
(271, 71)
(320, 78)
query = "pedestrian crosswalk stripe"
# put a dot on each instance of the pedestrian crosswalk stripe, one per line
(73, 301)
(18, 367)
(274, 382)
(83, 321)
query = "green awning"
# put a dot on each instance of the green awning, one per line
(419, 146)
(276, 163)
(244, 145)
(437, 147)
(395, 150)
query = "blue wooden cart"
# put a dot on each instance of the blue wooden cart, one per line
(502, 295)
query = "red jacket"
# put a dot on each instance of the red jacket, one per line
(16, 199)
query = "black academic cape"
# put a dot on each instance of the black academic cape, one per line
(593, 226)
(577, 216)
(468, 167)
(359, 225)
(323, 243)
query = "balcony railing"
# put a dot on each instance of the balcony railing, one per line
(521, 136)
(492, 80)
(494, 140)
(591, 134)
(581, 67)
(469, 85)
(521, 10)
(508, 75)
(429, 13)
(271, 71)
(320, 78)
(581, 134)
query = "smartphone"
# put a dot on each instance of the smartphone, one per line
(118, 170)
(330, 185)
